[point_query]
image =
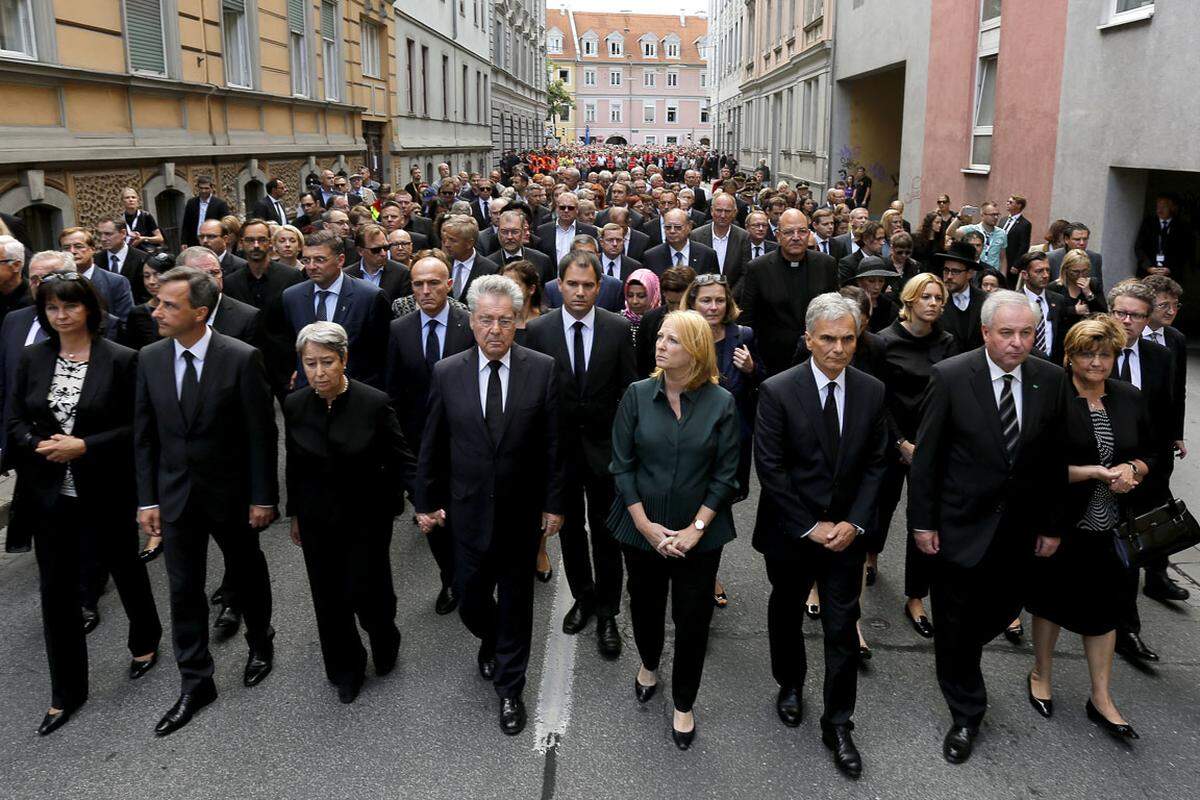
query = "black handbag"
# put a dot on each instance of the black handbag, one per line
(1161, 532)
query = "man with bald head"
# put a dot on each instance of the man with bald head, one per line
(678, 250)
(731, 243)
(489, 240)
(514, 233)
(778, 287)
(635, 242)
(665, 201)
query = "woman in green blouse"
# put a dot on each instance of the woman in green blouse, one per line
(675, 457)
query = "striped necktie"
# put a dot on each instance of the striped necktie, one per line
(1039, 336)
(1009, 426)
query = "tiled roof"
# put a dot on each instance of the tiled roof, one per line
(632, 27)
(558, 18)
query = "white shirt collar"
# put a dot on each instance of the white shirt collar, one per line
(88, 272)
(823, 380)
(334, 288)
(996, 372)
(686, 250)
(199, 349)
(505, 359)
(717, 238)
(589, 320)
(212, 315)
(1033, 295)
(442, 316)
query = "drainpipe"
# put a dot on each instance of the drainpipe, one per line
(829, 97)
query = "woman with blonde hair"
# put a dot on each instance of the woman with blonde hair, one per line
(1083, 292)
(286, 243)
(141, 229)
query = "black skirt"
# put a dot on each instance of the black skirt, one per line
(1080, 586)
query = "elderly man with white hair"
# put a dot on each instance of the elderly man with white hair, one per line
(14, 289)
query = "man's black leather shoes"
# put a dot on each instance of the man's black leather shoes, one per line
(577, 618)
(789, 706)
(486, 660)
(258, 665)
(958, 744)
(1131, 646)
(608, 639)
(348, 693)
(139, 668)
(227, 623)
(512, 715)
(185, 707)
(91, 619)
(447, 601)
(1161, 588)
(845, 755)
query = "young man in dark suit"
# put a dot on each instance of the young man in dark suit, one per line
(491, 465)
(271, 207)
(375, 267)
(1018, 230)
(992, 432)
(416, 342)
(204, 206)
(961, 315)
(679, 250)
(118, 257)
(205, 445)
(1051, 330)
(594, 352)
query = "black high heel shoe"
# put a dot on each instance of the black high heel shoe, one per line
(683, 740)
(1043, 707)
(52, 722)
(1123, 731)
(139, 668)
(643, 693)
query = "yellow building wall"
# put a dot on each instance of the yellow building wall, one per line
(29, 105)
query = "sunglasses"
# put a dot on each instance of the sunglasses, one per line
(710, 278)
(377, 250)
(62, 276)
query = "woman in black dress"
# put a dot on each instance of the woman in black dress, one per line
(140, 329)
(1110, 453)
(1083, 293)
(141, 229)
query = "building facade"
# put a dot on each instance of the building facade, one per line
(726, 29)
(443, 108)
(518, 85)
(640, 79)
(560, 52)
(114, 93)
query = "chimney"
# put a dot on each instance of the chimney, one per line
(682, 18)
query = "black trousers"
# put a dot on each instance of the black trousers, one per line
(350, 573)
(972, 606)
(689, 581)
(495, 590)
(839, 581)
(60, 543)
(441, 544)
(93, 573)
(247, 587)
(602, 588)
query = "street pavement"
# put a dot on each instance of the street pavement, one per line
(429, 730)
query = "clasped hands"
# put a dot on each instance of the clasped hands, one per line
(835, 536)
(551, 523)
(671, 544)
(60, 448)
(1120, 478)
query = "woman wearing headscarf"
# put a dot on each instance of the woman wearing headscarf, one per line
(641, 295)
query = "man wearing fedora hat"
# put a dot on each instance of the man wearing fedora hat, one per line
(962, 314)
(872, 276)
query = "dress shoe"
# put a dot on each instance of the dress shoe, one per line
(1015, 633)
(643, 693)
(217, 598)
(486, 660)
(447, 601)
(91, 619)
(385, 655)
(608, 639)
(1043, 707)
(864, 652)
(956, 747)
(52, 722)
(920, 624)
(1161, 588)
(845, 755)
(813, 610)
(789, 706)
(228, 622)
(150, 553)
(1123, 731)
(683, 740)
(872, 575)
(577, 618)
(512, 715)
(185, 707)
(1131, 646)
(139, 668)
(258, 665)
(348, 693)
(720, 599)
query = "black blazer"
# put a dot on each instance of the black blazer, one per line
(774, 302)
(1158, 387)
(802, 483)
(961, 484)
(492, 489)
(104, 476)
(737, 251)
(588, 410)
(638, 243)
(13, 333)
(362, 309)
(1056, 314)
(1018, 239)
(488, 242)
(231, 263)
(131, 268)
(651, 227)
(1179, 246)
(646, 339)
(547, 242)
(191, 218)
(139, 329)
(1177, 344)
(625, 263)
(395, 282)
(700, 258)
(408, 375)
(275, 337)
(237, 319)
(264, 209)
(965, 325)
(546, 267)
(357, 439)
(224, 459)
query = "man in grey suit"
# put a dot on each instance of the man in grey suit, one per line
(113, 288)
(731, 243)
(1077, 239)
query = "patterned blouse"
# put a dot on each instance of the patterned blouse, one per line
(64, 397)
(1101, 513)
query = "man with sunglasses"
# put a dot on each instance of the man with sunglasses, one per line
(556, 237)
(375, 267)
(400, 247)
(479, 204)
(961, 316)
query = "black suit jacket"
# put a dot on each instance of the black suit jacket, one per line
(224, 458)
(408, 375)
(839, 246)
(588, 410)
(546, 267)
(265, 209)
(231, 263)
(547, 242)
(275, 335)
(803, 483)
(492, 489)
(700, 258)
(1158, 387)
(737, 251)
(482, 217)
(626, 264)
(652, 227)
(481, 266)
(1177, 344)
(362, 309)
(191, 218)
(638, 243)
(395, 282)
(774, 302)
(965, 325)
(961, 483)
(1056, 314)
(1018, 239)
(1178, 245)
(237, 319)
(131, 268)
(488, 241)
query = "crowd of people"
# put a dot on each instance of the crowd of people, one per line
(602, 347)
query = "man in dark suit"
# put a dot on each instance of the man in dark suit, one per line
(205, 443)
(459, 234)
(415, 344)
(229, 315)
(480, 200)
(203, 206)
(1018, 230)
(113, 288)
(556, 237)
(411, 219)
(778, 287)
(848, 243)
(1161, 330)
(870, 243)
(330, 295)
(1165, 244)
(961, 314)
(489, 233)
(213, 235)
(614, 262)
(1078, 236)
(611, 296)
(679, 250)
(514, 225)
(823, 226)
(634, 242)
(491, 466)
(728, 241)
(757, 226)
(820, 444)
(310, 211)
(594, 352)
(620, 193)
(991, 434)
(700, 199)
(118, 257)
(1051, 330)
(375, 267)
(271, 207)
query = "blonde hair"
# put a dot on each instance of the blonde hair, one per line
(695, 336)
(1099, 330)
(886, 219)
(912, 290)
(1072, 260)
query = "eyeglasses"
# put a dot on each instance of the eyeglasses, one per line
(320, 261)
(377, 250)
(1168, 306)
(709, 278)
(952, 271)
(490, 322)
(61, 276)
(1133, 315)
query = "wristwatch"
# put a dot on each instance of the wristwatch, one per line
(698, 525)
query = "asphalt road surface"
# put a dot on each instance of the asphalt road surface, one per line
(429, 730)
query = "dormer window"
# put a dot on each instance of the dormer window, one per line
(671, 46)
(616, 46)
(649, 46)
(590, 44)
(554, 41)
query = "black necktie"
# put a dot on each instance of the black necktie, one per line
(432, 351)
(612, 266)
(580, 363)
(757, 251)
(1126, 371)
(830, 415)
(113, 265)
(322, 315)
(493, 412)
(189, 392)
(508, 259)
(825, 247)
(1010, 428)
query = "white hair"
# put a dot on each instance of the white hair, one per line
(497, 286)
(62, 259)
(329, 335)
(12, 249)
(829, 307)
(194, 255)
(1006, 298)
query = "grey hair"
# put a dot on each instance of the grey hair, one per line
(829, 307)
(193, 254)
(12, 248)
(202, 287)
(62, 259)
(329, 335)
(1135, 289)
(585, 239)
(496, 285)
(460, 207)
(1006, 298)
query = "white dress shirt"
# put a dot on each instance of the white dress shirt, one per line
(562, 240)
(120, 255)
(606, 261)
(686, 252)
(721, 245)
(1135, 364)
(1044, 305)
(203, 214)
(962, 299)
(824, 385)
(443, 320)
(199, 352)
(485, 374)
(589, 329)
(331, 299)
(997, 375)
(462, 273)
(1157, 336)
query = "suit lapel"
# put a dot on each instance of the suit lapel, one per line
(562, 350)
(1031, 402)
(212, 362)
(345, 301)
(981, 385)
(811, 403)
(99, 368)
(517, 373)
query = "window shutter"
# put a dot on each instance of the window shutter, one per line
(295, 12)
(328, 21)
(143, 18)
(234, 5)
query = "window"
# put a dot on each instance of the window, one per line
(809, 106)
(589, 45)
(425, 80)
(672, 111)
(446, 87)
(297, 47)
(16, 28)
(554, 42)
(813, 10)
(672, 140)
(498, 38)
(564, 75)
(703, 79)
(649, 48)
(589, 112)
(616, 46)
(236, 41)
(565, 114)
(589, 77)
(648, 112)
(1125, 6)
(671, 45)
(614, 77)
(371, 62)
(672, 79)
(1130, 11)
(466, 92)
(704, 111)
(329, 51)
(985, 112)
(409, 50)
(143, 22)
(614, 112)
(989, 13)
(648, 78)
(651, 139)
